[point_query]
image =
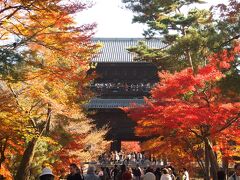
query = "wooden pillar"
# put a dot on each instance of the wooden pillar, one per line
(116, 145)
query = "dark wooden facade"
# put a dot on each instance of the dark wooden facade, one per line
(120, 82)
(124, 80)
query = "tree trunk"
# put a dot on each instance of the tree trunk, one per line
(23, 169)
(201, 165)
(23, 172)
(3, 146)
(189, 57)
(213, 159)
(2, 159)
(225, 166)
(207, 163)
(197, 156)
(188, 53)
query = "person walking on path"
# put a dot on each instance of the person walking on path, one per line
(149, 174)
(46, 174)
(185, 174)
(165, 174)
(124, 174)
(137, 172)
(91, 174)
(114, 172)
(236, 174)
(74, 173)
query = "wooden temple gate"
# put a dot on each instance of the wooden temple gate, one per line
(120, 82)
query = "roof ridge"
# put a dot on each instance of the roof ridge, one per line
(114, 50)
(126, 38)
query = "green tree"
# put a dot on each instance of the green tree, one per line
(189, 35)
(10, 64)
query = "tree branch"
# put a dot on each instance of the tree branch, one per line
(3, 146)
(19, 105)
(190, 146)
(228, 41)
(10, 7)
(196, 134)
(47, 122)
(229, 123)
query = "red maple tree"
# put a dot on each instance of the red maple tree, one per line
(187, 110)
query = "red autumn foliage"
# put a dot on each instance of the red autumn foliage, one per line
(188, 107)
(130, 146)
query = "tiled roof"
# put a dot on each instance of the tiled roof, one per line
(112, 103)
(114, 50)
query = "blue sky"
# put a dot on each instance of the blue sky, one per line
(115, 21)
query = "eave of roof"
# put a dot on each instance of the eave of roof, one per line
(114, 50)
(98, 103)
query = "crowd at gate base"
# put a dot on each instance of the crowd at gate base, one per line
(127, 166)
(123, 172)
(117, 172)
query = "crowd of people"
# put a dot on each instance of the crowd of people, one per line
(126, 166)
(133, 158)
(119, 172)
(123, 172)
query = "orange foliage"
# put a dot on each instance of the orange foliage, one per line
(11, 129)
(5, 173)
(84, 145)
(56, 53)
